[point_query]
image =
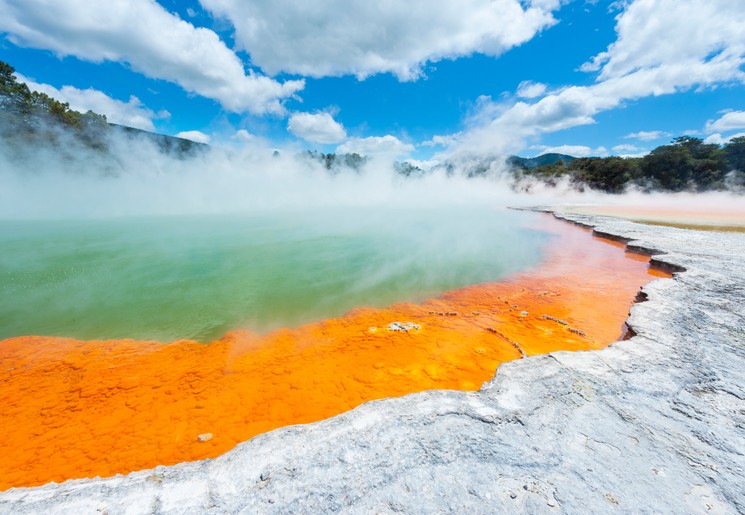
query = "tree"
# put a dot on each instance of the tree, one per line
(696, 147)
(550, 174)
(14, 96)
(709, 165)
(406, 169)
(734, 154)
(668, 167)
(610, 174)
(31, 111)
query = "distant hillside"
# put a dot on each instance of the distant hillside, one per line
(686, 164)
(30, 119)
(336, 162)
(167, 144)
(529, 163)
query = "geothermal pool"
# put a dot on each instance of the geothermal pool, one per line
(76, 408)
(166, 278)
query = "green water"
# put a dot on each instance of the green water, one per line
(189, 277)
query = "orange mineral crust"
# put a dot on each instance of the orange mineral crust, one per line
(74, 409)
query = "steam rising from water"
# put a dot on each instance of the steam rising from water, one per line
(199, 277)
(135, 243)
(132, 242)
(134, 178)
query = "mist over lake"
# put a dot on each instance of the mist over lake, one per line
(167, 278)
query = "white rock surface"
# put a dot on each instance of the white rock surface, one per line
(652, 424)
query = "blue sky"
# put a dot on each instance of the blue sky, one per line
(418, 79)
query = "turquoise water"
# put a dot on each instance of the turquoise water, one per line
(198, 277)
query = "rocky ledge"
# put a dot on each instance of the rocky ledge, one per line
(652, 424)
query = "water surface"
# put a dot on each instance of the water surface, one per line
(167, 278)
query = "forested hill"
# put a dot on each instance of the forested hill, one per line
(33, 118)
(528, 163)
(686, 164)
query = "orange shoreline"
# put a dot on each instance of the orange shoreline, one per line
(74, 409)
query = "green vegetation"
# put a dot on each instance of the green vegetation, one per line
(542, 160)
(334, 162)
(32, 114)
(686, 164)
(33, 119)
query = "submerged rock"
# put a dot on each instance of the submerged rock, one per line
(651, 424)
(404, 327)
(557, 320)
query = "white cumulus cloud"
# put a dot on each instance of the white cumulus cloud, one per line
(316, 128)
(718, 139)
(625, 149)
(131, 113)
(151, 40)
(196, 136)
(693, 31)
(338, 37)
(711, 52)
(572, 150)
(648, 135)
(529, 89)
(440, 141)
(385, 146)
(243, 135)
(730, 121)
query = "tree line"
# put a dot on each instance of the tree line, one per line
(31, 112)
(686, 164)
(33, 119)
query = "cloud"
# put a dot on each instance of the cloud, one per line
(438, 140)
(729, 121)
(385, 146)
(339, 37)
(530, 89)
(243, 141)
(718, 139)
(243, 135)
(694, 31)
(423, 165)
(151, 40)
(619, 149)
(648, 135)
(197, 136)
(316, 128)
(629, 151)
(577, 105)
(131, 114)
(572, 150)
(713, 53)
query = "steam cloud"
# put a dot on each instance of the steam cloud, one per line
(339, 238)
(134, 177)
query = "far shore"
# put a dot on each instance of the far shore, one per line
(696, 217)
